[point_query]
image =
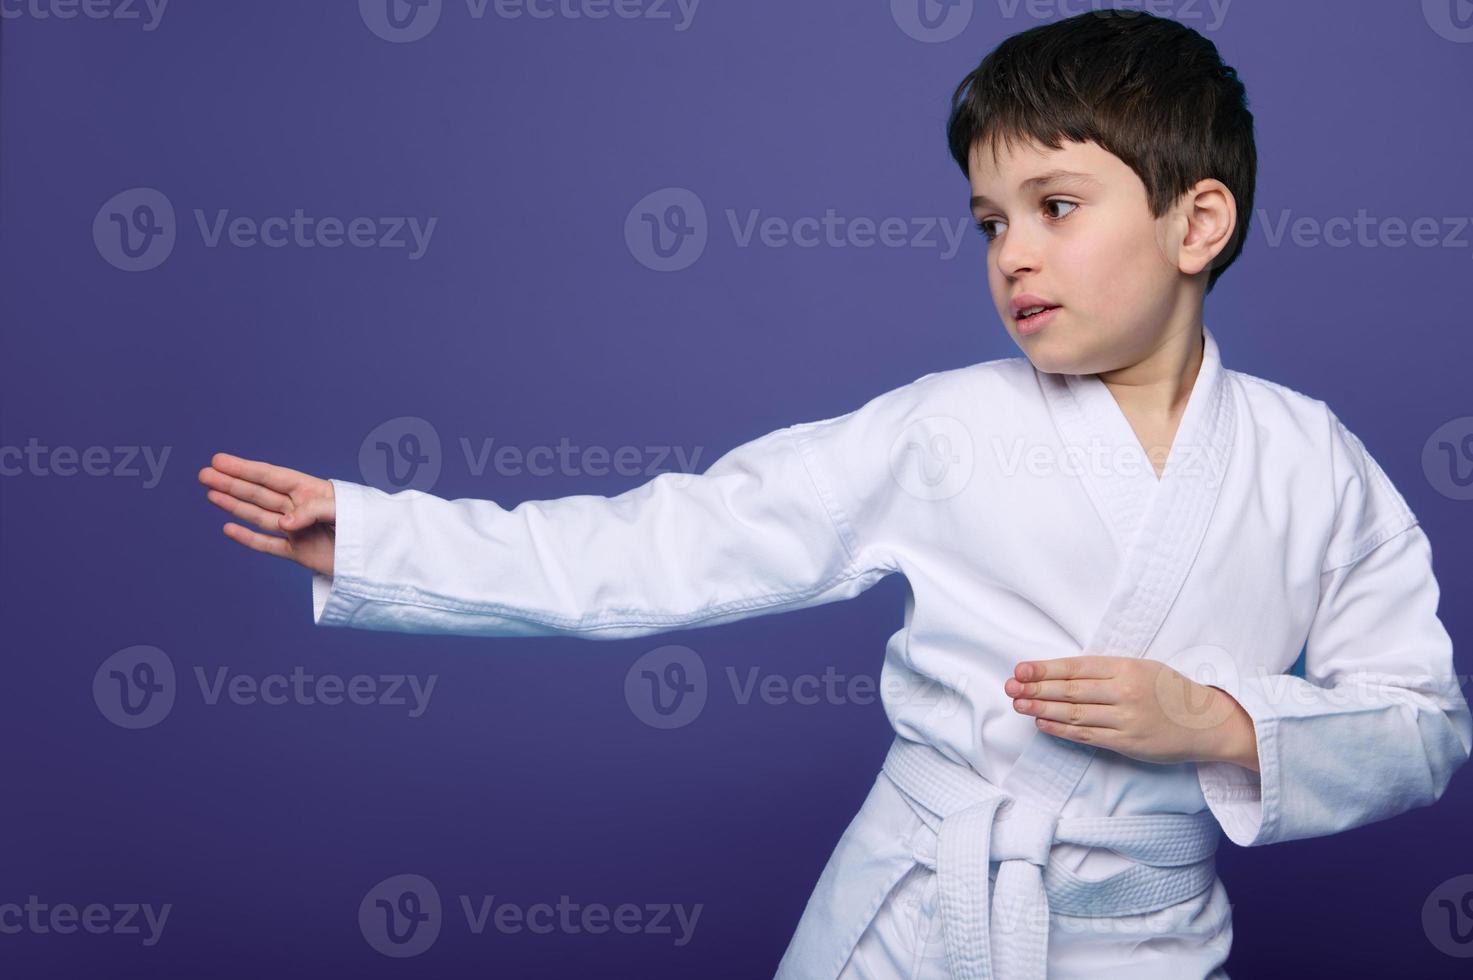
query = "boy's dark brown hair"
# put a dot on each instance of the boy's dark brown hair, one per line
(1150, 90)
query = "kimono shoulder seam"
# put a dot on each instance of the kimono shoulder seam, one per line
(1377, 483)
(1389, 529)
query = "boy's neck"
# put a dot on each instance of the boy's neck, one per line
(1157, 387)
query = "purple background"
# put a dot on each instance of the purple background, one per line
(528, 320)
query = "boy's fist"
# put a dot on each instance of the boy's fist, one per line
(275, 498)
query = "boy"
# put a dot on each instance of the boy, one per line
(1112, 543)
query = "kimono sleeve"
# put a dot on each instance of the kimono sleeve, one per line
(758, 532)
(1378, 724)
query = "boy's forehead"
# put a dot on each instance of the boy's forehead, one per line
(1024, 160)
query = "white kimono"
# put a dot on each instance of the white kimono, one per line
(1029, 525)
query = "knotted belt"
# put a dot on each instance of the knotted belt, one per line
(976, 822)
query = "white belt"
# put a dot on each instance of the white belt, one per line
(976, 823)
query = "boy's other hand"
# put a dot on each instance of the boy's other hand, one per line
(275, 498)
(1135, 706)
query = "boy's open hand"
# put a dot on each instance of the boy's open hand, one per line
(275, 498)
(1137, 707)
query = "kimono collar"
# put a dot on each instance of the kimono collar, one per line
(1114, 467)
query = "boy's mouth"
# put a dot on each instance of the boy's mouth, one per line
(1027, 305)
(1035, 319)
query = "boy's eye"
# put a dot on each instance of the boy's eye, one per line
(986, 225)
(1067, 204)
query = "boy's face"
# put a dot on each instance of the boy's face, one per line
(1086, 244)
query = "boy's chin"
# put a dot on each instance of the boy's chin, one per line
(1051, 361)
(1058, 353)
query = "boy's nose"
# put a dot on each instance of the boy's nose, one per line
(1016, 254)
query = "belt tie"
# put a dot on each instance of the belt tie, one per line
(999, 930)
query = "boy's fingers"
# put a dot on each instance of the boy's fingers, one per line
(1064, 668)
(280, 547)
(243, 489)
(266, 520)
(1078, 691)
(1088, 715)
(310, 512)
(278, 478)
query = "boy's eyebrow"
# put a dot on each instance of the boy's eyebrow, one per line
(1048, 177)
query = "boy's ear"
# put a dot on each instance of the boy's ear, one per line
(1211, 215)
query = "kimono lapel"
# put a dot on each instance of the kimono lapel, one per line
(1159, 529)
(1161, 525)
(1113, 468)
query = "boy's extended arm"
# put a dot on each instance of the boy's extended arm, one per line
(760, 531)
(1378, 724)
